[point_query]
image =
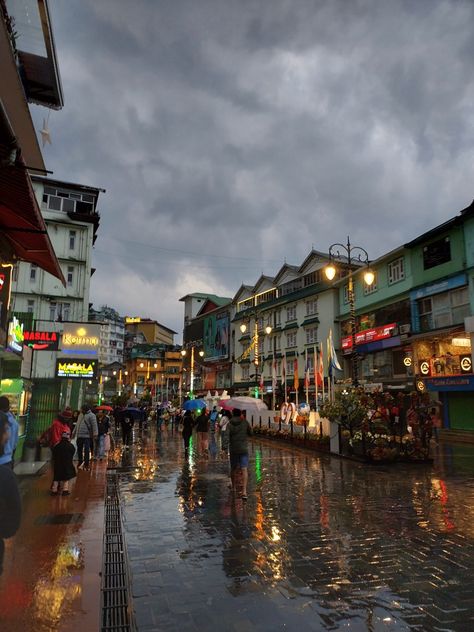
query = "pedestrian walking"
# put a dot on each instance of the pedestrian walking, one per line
(126, 422)
(10, 501)
(8, 456)
(63, 467)
(224, 432)
(103, 427)
(188, 425)
(213, 417)
(202, 428)
(86, 433)
(239, 431)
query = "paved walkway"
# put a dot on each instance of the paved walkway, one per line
(321, 544)
(51, 578)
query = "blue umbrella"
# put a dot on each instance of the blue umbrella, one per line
(194, 404)
(136, 412)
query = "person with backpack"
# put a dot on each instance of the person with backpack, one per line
(86, 433)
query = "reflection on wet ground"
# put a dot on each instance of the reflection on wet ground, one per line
(322, 543)
(51, 576)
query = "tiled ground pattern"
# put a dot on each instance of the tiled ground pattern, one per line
(322, 544)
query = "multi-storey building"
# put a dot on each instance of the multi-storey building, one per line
(145, 330)
(112, 334)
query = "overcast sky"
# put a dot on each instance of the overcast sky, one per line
(234, 135)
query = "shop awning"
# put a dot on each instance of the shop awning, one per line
(21, 221)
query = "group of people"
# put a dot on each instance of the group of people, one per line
(234, 430)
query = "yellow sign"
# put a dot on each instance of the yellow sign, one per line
(81, 336)
(425, 367)
(86, 370)
(407, 361)
(420, 385)
(132, 319)
(466, 364)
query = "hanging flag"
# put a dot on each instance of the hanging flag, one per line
(274, 375)
(320, 368)
(283, 375)
(307, 376)
(334, 360)
(296, 381)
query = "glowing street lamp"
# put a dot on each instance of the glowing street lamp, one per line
(191, 383)
(353, 254)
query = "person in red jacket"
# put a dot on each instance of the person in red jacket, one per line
(60, 425)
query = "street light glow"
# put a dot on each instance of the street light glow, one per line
(369, 277)
(243, 328)
(330, 271)
(201, 353)
(268, 329)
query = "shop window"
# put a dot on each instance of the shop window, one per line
(396, 270)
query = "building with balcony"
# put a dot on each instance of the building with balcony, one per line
(112, 334)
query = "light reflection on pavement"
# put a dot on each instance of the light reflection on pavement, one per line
(322, 543)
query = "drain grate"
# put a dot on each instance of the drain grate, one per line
(117, 613)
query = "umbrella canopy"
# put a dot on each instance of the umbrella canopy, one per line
(194, 404)
(105, 407)
(224, 405)
(250, 404)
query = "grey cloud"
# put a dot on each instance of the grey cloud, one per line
(256, 129)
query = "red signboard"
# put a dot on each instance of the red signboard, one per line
(41, 340)
(369, 335)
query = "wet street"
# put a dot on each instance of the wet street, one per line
(321, 544)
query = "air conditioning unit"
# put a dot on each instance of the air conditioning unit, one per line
(405, 329)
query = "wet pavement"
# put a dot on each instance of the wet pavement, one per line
(51, 575)
(321, 544)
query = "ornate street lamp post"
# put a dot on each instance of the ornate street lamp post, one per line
(201, 354)
(255, 346)
(353, 254)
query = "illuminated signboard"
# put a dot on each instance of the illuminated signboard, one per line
(466, 363)
(216, 337)
(369, 335)
(5, 290)
(425, 367)
(42, 340)
(15, 335)
(76, 369)
(132, 319)
(80, 338)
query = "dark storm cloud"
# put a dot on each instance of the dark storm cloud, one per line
(233, 135)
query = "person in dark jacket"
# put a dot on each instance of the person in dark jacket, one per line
(188, 425)
(239, 431)
(10, 501)
(126, 422)
(202, 427)
(63, 467)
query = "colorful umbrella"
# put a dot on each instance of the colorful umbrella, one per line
(194, 404)
(105, 407)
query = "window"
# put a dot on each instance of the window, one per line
(260, 346)
(291, 313)
(245, 372)
(33, 271)
(370, 289)
(59, 311)
(70, 276)
(291, 339)
(30, 307)
(311, 335)
(312, 278)
(278, 318)
(72, 239)
(290, 367)
(277, 340)
(52, 310)
(346, 294)
(436, 253)
(396, 270)
(443, 310)
(291, 286)
(312, 307)
(278, 367)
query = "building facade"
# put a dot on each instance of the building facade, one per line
(112, 334)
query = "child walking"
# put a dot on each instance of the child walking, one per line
(63, 467)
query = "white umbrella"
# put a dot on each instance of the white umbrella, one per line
(250, 404)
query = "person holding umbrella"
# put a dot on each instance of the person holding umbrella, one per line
(188, 425)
